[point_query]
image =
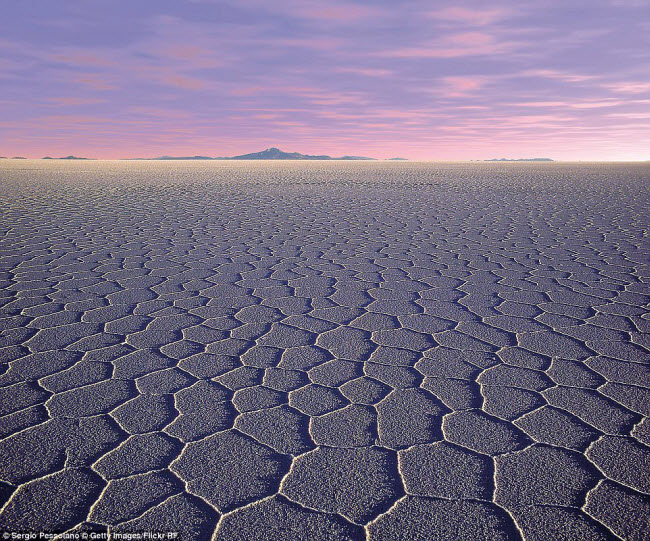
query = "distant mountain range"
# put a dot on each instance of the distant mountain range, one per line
(268, 154)
(64, 158)
(519, 160)
(397, 159)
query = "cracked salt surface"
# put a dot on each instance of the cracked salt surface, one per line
(317, 350)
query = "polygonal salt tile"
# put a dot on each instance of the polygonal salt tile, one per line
(257, 397)
(284, 380)
(20, 420)
(181, 349)
(230, 470)
(316, 400)
(92, 399)
(397, 377)
(53, 503)
(542, 475)
(515, 376)
(446, 471)
(138, 454)
(622, 459)
(352, 426)
(541, 523)
(164, 381)
(302, 358)
(634, 398)
(554, 344)
(394, 356)
(284, 336)
(443, 520)
(283, 520)
(282, 428)
(403, 338)
(509, 402)
(336, 372)
(364, 390)
(206, 365)
(425, 323)
(127, 498)
(573, 374)
(623, 510)
(20, 396)
(244, 376)
(456, 394)
(328, 479)
(127, 324)
(58, 338)
(82, 373)
(140, 363)
(593, 408)
(188, 515)
(346, 343)
(261, 357)
(482, 433)
(152, 338)
(145, 413)
(407, 417)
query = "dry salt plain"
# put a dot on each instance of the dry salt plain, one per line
(290, 350)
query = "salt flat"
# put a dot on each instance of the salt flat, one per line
(325, 350)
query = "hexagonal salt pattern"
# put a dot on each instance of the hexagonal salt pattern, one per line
(325, 350)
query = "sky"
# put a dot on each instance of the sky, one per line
(424, 80)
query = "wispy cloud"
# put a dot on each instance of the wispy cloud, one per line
(454, 46)
(469, 17)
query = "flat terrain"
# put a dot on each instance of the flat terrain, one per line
(326, 350)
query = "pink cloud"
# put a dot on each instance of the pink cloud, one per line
(182, 81)
(558, 75)
(94, 81)
(65, 101)
(191, 56)
(247, 91)
(462, 86)
(629, 87)
(333, 11)
(368, 72)
(454, 46)
(82, 59)
(583, 104)
(465, 16)
(324, 44)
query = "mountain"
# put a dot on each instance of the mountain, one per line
(397, 159)
(268, 154)
(520, 160)
(277, 154)
(63, 158)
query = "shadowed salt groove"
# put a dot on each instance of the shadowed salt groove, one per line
(325, 350)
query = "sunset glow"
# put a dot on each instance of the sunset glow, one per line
(421, 80)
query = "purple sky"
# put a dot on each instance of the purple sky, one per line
(425, 80)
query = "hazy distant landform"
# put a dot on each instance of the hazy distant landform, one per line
(277, 154)
(268, 154)
(64, 158)
(318, 351)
